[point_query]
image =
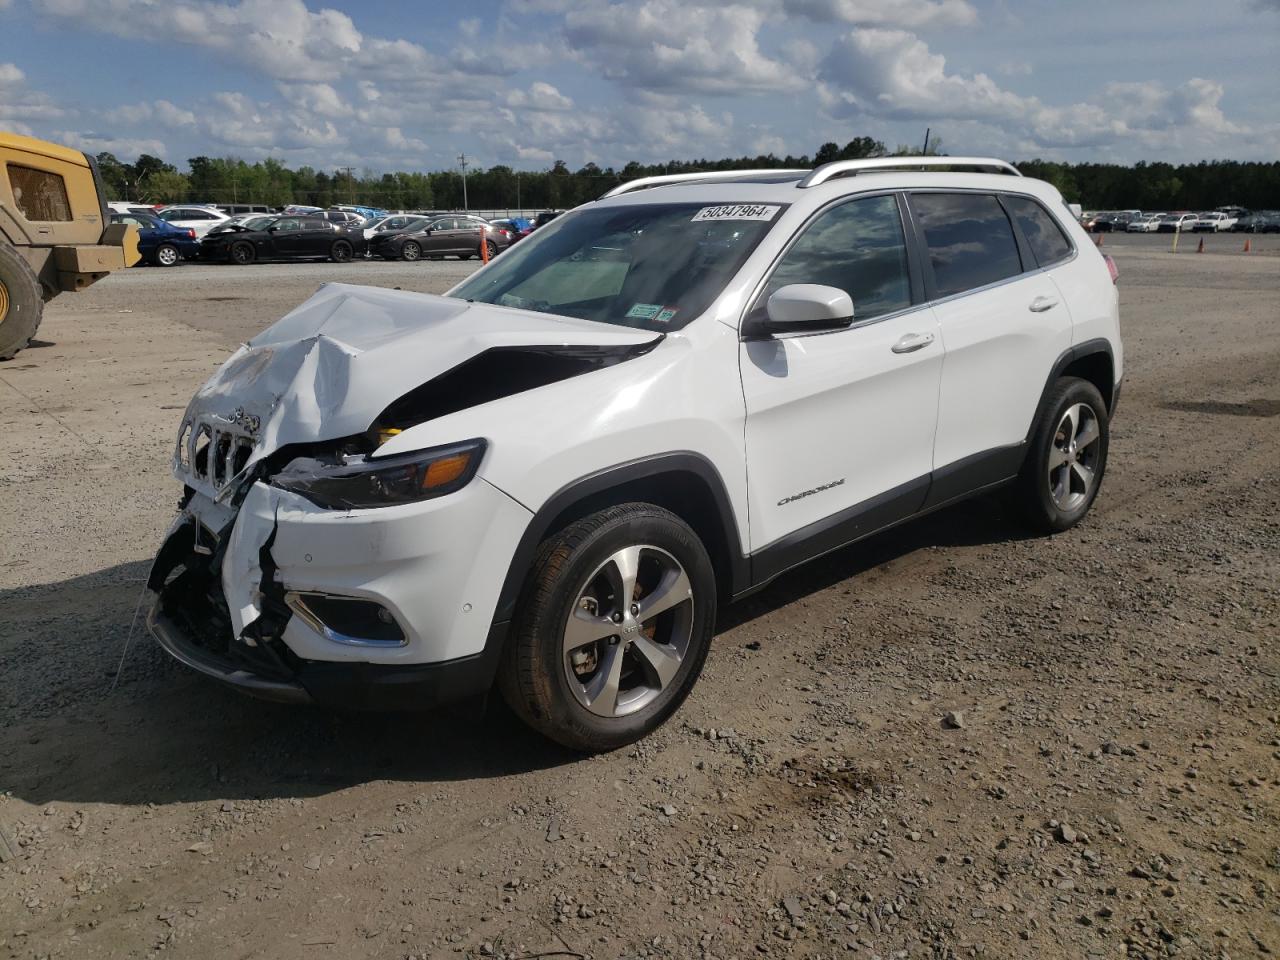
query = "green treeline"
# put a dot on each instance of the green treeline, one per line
(1145, 186)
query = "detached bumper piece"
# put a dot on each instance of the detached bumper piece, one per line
(190, 620)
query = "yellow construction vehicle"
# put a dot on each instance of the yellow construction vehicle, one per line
(54, 232)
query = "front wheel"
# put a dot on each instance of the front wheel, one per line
(1068, 457)
(21, 302)
(341, 252)
(410, 250)
(612, 629)
(241, 253)
(167, 255)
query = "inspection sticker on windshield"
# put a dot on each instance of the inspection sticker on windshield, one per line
(737, 211)
(644, 311)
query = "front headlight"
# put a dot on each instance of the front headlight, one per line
(384, 481)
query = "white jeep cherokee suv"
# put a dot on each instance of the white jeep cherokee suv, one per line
(550, 477)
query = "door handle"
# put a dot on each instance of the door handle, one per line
(911, 342)
(1041, 304)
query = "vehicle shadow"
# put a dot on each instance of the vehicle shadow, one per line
(164, 735)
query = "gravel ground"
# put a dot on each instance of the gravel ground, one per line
(950, 741)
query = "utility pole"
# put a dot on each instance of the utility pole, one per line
(462, 162)
(925, 151)
(351, 187)
(519, 209)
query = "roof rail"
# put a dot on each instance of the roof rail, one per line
(646, 182)
(840, 168)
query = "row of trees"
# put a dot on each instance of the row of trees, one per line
(1147, 186)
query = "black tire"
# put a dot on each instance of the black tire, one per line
(242, 253)
(410, 251)
(167, 255)
(533, 677)
(1058, 500)
(21, 303)
(341, 251)
(493, 248)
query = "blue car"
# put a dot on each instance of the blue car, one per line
(161, 243)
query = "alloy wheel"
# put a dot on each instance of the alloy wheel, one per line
(167, 256)
(628, 631)
(1073, 457)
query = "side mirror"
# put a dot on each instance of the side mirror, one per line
(807, 308)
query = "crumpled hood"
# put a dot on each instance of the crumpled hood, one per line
(329, 368)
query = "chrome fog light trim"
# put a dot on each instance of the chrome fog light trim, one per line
(354, 621)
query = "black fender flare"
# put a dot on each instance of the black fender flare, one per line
(1087, 348)
(592, 488)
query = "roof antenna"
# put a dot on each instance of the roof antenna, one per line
(925, 151)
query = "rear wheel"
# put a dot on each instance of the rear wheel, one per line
(167, 255)
(21, 304)
(493, 248)
(410, 250)
(1064, 467)
(612, 629)
(241, 253)
(341, 251)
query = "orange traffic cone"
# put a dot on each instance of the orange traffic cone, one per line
(484, 248)
(1200, 249)
(1248, 244)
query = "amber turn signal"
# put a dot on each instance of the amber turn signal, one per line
(445, 470)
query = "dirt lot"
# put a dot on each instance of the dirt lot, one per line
(1113, 788)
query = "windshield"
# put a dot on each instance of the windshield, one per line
(656, 267)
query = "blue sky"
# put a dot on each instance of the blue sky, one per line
(381, 85)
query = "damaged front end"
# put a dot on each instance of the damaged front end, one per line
(304, 567)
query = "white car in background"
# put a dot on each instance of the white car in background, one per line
(1213, 222)
(551, 477)
(1148, 223)
(194, 217)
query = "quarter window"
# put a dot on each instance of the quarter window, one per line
(41, 196)
(858, 247)
(1046, 238)
(970, 239)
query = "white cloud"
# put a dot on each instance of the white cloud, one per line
(161, 112)
(668, 45)
(893, 74)
(894, 13)
(540, 96)
(123, 147)
(20, 106)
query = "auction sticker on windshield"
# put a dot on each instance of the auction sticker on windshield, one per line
(737, 211)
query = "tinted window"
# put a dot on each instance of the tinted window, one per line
(41, 196)
(1047, 240)
(970, 240)
(858, 247)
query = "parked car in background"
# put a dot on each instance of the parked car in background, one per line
(130, 206)
(394, 223)
(1260, 221)
(1213, 221)
(1147, 223)
(545, 217)
(457, 235)
(250, 220)
(241, 209)
(1176, 222)
(365, 213)
(200, 219)
(519, 227)
(284, 238)
(301, 209)
(347, 218)
(160, 243)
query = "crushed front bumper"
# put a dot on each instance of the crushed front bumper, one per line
(221, 585)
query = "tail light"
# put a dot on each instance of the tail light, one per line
(191, 234)
(1111, 268)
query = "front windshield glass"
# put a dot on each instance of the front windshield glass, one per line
(656, 267)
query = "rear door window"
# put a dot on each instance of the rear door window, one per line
(41, 196)
(1047, 241)
(970, 240)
